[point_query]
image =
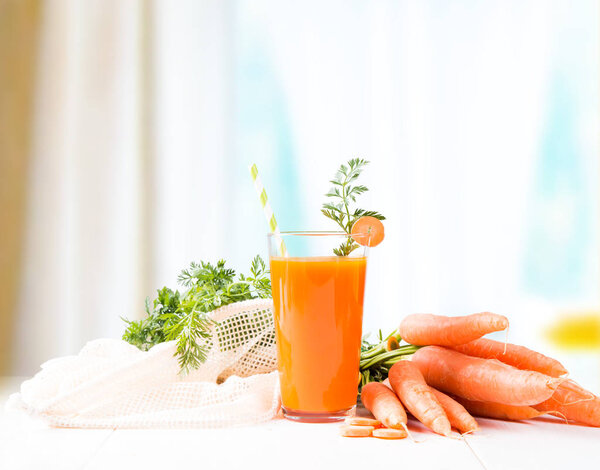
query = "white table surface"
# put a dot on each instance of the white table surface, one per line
(538, 444)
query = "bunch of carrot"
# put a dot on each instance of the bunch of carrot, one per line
(457, 374)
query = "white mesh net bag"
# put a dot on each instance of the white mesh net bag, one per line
(112, 384)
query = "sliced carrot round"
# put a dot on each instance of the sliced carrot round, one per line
(368, 231)
(384, 433)
(356, 431)
(360, 421)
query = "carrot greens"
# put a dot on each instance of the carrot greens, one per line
(183, 316)
(343, 194)
(376, 359)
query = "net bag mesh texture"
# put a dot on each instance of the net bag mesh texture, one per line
(112, 384)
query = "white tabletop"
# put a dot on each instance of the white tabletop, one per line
(543, 443)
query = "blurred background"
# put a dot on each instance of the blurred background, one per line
(127, 129)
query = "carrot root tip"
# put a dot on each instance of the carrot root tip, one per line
(410, 436)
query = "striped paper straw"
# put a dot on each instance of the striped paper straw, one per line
(264, 202)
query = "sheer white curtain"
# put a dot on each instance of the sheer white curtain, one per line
(128, 181)
(85, 240)
(149, 114)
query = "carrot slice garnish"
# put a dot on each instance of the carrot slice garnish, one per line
(368, 231)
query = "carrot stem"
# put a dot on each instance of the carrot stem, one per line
(382, 346)
(384, 356)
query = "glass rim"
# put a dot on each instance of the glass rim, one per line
(316, 233)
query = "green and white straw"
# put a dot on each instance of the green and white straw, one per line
(269, 215)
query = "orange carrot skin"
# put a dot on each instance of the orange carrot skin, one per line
(499, 411)
(513, 355)
(458, 416)
(384, 404)
(574, 403)
(409, 384)
(479, 379)
(424, 329)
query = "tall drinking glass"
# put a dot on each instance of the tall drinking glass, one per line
(318, 298)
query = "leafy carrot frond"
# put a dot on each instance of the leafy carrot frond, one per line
(344, 194)
(183, 317)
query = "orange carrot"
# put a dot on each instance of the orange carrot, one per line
(409, 384)
(385, 433)
(575, 403)
(482, 379)
(360, 421)
(356, 431)
(497, 410)
(384, 404)
(512, 354)
(424, 329)
(457, 415)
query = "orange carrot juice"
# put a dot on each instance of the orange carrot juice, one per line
(318, 317)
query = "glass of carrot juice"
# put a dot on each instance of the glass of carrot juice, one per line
(318, 298)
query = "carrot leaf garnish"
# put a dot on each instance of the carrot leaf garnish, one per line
(343, 194)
